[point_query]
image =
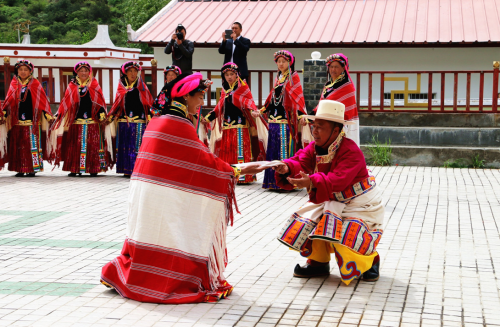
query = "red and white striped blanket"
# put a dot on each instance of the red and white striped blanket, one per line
(180, 202)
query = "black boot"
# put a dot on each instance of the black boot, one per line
(93, 175)
(372, 274)
(31, 174)
(19, 175)
(312, 269)
(72, 174)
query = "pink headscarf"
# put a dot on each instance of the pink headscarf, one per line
(186, 85)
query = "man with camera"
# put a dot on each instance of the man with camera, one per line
(181, 50)
(235, 47)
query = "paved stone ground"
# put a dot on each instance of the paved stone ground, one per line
(439, 263)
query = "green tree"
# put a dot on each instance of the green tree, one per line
(75, 21)
(139, 12)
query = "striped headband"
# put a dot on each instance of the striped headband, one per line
(130, 64)
(287, 55)
(172, 68)
(23, 62)
(230, 66)
(82, 64)
(340, 58)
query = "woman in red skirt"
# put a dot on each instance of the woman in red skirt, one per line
(233, 115)
(27, 116)
(83, 140)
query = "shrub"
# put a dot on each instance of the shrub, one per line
(380, 153)
(477, 162)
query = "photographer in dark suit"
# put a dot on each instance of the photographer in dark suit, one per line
(181, 50)
(235, 49)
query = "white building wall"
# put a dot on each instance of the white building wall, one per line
(371, 59)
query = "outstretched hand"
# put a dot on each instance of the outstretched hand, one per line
(301, 182)
(251, 169)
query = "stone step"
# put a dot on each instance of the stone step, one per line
(433, 136)
(436, 156)
(430, 119)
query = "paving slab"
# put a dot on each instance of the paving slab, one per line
(439, 256)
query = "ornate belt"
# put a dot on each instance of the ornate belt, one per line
(81, 121)
(228, 126)
(277, 121)
(132, 120)
(355, 190)
(26, 123)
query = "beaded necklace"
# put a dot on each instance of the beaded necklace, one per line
(281, 82)
(83, 86)
(131, 86)
(24, 86)
(328, 87)
(231, 89)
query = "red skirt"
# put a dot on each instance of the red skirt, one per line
(19, 149)
(235, 147)
(78, 159)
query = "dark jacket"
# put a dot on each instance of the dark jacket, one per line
(182, 54)
(240, 53)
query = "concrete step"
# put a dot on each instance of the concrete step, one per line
(433, 136)
(435, 156)
(430, 119)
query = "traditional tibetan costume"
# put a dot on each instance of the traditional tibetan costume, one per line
(344, 214)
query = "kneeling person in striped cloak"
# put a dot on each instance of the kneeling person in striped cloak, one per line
(181, 200)
(345, 211)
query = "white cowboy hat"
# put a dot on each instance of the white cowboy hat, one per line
(332, 111)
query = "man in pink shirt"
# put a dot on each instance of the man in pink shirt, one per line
(345, 211)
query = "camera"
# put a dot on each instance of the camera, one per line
(178, 32)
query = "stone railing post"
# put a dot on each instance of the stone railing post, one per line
(315, 76)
